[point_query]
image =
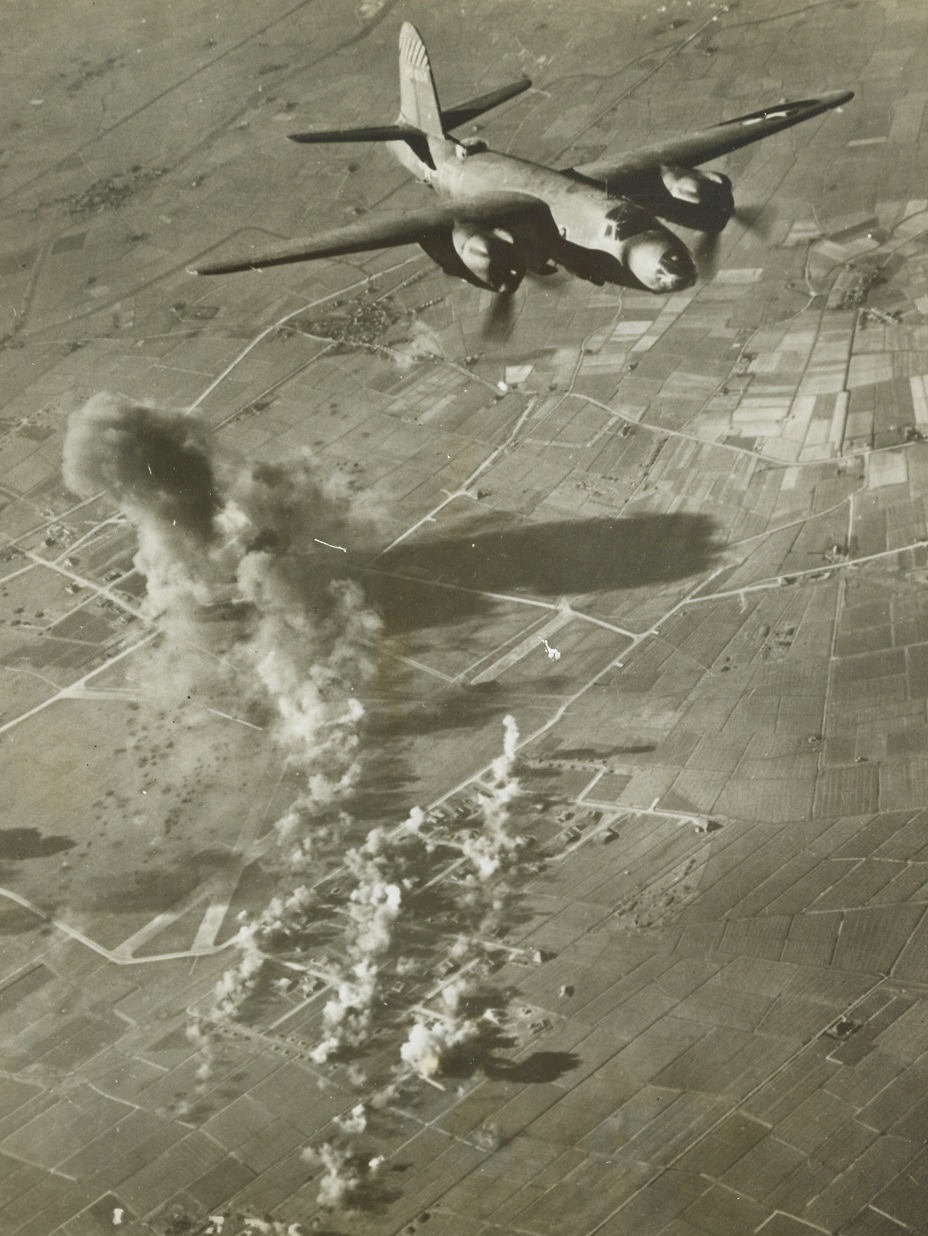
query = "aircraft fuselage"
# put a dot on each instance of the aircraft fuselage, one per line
(600, 237)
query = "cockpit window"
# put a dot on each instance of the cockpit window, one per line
(470, 145)
(628, 220)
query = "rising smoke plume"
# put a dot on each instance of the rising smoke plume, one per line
(432, 1042)
(495, 844)
(347, 1177)
(155, 464)
(260, 535)
(373, 908)
(264, 536)
(436, 1036)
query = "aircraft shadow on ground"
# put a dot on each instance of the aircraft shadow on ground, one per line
(566, 558)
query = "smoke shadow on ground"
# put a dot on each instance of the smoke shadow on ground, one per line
(481, 1055)
(601, 753)
(565, 558)
(20, 844)
(16, 920)
(385, 787)
(374, 1192)
(157, 888)
(540, 1066)
(441, 907)
(459, 706)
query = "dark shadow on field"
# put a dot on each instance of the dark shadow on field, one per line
(458, 706)
(482, 1055)
(540, 1066)
(155, 888)
(19, 844)
(599, 753)
(569, 557)
(386, 787)
(16, 920)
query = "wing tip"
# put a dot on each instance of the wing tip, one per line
(226, 268)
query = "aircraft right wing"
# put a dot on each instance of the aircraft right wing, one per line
(707, 144)
(387, 231)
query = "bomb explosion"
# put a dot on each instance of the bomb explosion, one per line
(300, 648)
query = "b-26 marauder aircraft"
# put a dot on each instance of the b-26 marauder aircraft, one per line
(499, 217)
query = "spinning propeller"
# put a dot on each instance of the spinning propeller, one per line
(500, 318)
(707, 248)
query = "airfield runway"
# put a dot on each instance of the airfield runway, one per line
(454, 781)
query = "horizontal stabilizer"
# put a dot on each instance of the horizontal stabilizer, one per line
(373, 133)
(453, 117)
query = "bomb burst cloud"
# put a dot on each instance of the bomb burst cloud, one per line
(346, 1176)
(156, 465)
(210, 533)
(431, 1043)
(374, 907)
(271, 1227)
(493, 848)
(348, 1017)
(154, 462)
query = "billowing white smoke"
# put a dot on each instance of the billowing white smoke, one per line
(270, 538)
(201, 1039)
(423, 341)
(348, 1017)
(239, 981)
(431, 1042)
(271, 1227)
(493, 853)
(495, 845)
(345, 1175)
(354, 1122)
(310, 664)
(280, 924)
(375, 900)
(373, 908)
(259, 537)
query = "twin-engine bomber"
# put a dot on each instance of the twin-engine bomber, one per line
(500, 217)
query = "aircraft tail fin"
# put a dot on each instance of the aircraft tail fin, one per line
(419, 107)
(420, 112)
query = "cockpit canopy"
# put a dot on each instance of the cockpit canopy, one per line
(470, 145)
(627, 219)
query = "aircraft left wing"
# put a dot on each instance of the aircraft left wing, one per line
(706, 144)
(387, 231)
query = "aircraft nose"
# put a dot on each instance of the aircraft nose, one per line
(660, 264)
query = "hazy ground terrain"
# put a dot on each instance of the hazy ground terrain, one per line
(456, 782)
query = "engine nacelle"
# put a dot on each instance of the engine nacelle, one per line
(709, 193)
(491, 257)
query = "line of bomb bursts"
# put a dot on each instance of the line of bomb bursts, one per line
(211, 531)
